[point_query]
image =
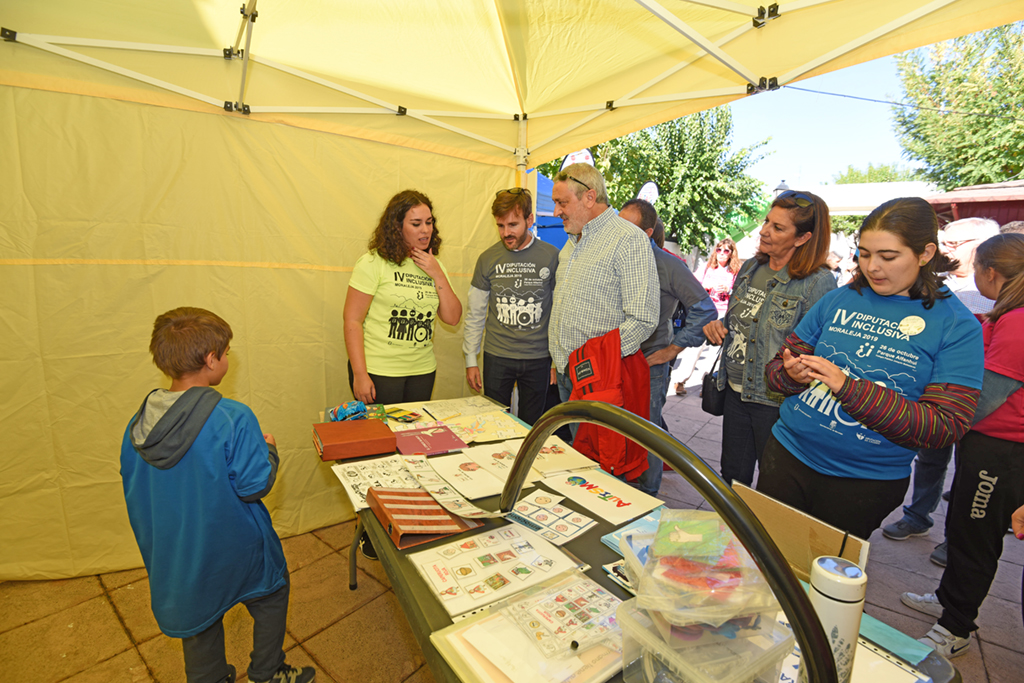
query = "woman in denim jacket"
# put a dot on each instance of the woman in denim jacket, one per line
(772, 292)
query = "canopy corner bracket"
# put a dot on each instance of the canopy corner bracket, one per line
(525, 116)
(235, 106)
(230, 53)
(610, 105)
(251, 16)
(766, 15)
(762, 85)
(402, 111)
(10, 35)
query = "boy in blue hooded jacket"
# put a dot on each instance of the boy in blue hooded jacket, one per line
(195, 467)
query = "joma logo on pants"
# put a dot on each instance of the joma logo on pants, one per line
(981, 496)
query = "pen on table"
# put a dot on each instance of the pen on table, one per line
(431, 415)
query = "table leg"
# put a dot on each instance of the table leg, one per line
(353, 579)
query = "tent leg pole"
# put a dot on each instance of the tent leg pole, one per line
(251, 17)
(522, 153)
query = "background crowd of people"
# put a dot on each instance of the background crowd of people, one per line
(838, 374)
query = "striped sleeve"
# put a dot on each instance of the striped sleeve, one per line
(775, 372)
(940, 417)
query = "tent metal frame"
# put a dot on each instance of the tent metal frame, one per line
(713, 49)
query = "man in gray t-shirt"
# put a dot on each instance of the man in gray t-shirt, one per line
(509, 308)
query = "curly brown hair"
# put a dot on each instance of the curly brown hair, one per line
(387, 239)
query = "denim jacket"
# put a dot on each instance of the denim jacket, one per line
(786, 302)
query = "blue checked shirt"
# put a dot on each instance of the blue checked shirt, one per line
(606, 279)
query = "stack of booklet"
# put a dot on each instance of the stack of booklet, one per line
(562, 631)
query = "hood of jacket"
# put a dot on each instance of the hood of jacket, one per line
(176, 430)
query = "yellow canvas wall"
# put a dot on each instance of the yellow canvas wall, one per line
(112, 212)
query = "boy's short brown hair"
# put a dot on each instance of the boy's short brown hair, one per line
(183, 337)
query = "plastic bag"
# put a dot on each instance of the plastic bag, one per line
(697, 572)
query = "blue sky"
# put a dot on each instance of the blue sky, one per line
(814, 137)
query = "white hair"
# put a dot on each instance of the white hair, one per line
(970, 228)
(582, 177)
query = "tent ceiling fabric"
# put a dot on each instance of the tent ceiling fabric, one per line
(464, 70)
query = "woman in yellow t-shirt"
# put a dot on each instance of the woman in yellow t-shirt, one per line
(397, 290)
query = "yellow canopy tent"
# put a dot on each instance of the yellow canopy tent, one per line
(184, 152)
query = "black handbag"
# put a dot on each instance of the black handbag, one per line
(712, 400)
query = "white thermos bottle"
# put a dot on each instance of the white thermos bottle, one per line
(837, 592)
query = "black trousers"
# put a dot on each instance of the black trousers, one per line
(854, 505)
(746, 427)
(987, 487)
(533, 376)
(205, 660)
(390, 390)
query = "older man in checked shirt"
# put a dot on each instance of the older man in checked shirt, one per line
(606, 274)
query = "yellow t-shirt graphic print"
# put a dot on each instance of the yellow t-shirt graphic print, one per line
(398, 330)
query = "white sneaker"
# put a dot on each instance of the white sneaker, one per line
(927, 603)
(944, 642)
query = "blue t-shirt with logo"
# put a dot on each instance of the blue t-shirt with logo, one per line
(892, 341)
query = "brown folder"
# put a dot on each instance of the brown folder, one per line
(352, 439)
(412, 516)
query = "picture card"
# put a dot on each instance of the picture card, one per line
(603, 495)
(554, 521)
(558, 457)
(497, 581)
(488, 573)
(497, 459)
(467, 476)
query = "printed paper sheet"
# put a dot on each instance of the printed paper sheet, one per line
(457, 407)
(497, 458)
(467, 476)
(603, 495)
(543, 513)
(488, 566)
(358, 476)
(487, 427)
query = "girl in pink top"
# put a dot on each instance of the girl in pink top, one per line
(717, 279)
(988, 488)
(720, 272)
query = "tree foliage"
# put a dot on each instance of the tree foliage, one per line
(883, 173)
(705, 192)
(975, 83)
(846, 225)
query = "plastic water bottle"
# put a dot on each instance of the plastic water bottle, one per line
(837, 593)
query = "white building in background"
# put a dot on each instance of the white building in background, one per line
(854, 199)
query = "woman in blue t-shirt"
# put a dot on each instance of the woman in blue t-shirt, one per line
(876, 370)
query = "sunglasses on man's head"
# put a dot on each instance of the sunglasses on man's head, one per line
(802, 200)
(580, 182)
(512, 190)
